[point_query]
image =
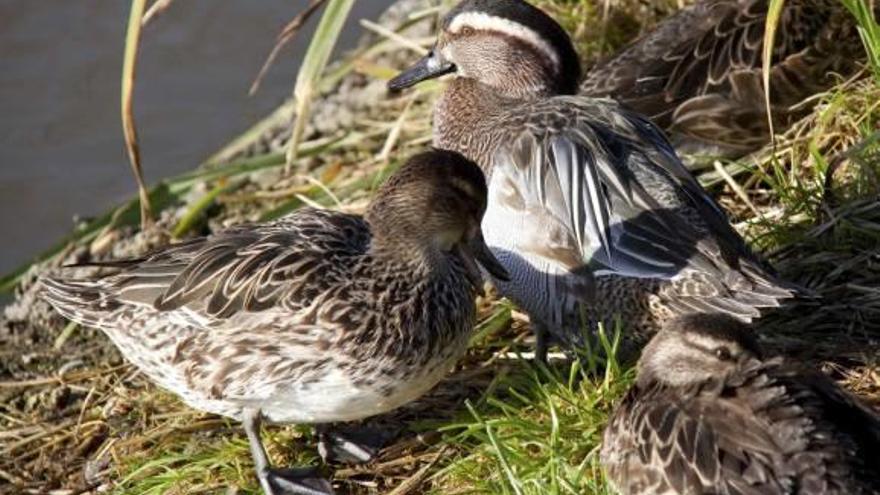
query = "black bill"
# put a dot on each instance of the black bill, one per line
(476, 251)
(428, 67)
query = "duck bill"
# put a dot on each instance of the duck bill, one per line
(429, 67)
(476, 251)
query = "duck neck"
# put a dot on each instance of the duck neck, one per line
(467, 115)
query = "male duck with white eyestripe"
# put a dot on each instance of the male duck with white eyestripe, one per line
(590, 209)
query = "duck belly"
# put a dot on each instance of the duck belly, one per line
(341, 396)
(570, 302)
(542, 290)
(224, 372)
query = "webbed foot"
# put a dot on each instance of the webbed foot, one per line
(294, 481)
(351, 445)
(279, 481)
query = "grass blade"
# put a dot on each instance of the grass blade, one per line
(132, 43)
(500, 451)
(774, 11)
(195, 212)
(317, 56)
(869, 31)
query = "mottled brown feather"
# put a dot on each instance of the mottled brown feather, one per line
(765, 427)
(698, 73)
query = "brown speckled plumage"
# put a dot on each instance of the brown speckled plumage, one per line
(697, 74)
(319, 316)
(708, 414)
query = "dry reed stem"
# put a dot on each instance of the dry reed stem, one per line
(132, 45)
(287, 34)
(158, 8)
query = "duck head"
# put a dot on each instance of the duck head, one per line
(694, 348)
(508, 45)
(434, 204)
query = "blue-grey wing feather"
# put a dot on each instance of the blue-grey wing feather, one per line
(618, 201)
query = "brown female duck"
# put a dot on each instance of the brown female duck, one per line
(697, 74)
(318, 317)
(709, 414)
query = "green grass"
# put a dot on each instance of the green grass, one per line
(184, 461)
(793, 178)
(869, 31)
(538, 431)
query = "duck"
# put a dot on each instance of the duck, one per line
(590, 209)
(698, 75)
(709, 413)
(320, 316)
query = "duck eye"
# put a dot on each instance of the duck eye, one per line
(466, 31)
(724, 354)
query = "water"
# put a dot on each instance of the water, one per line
(61, 146)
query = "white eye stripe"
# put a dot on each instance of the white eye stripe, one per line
(485, 22)
(706, 342)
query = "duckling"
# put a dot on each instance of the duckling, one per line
(590, 209)
(697, 75)
(709, 414)
(317, 317)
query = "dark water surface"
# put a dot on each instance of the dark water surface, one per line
(61, 147)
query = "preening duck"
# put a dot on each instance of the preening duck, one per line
(318, 317)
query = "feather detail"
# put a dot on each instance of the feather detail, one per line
(698, 73)
(768, 428)
(606, 196)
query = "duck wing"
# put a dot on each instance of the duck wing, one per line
(623, 204)
(640, 73)
(844, 435)
(693, 441)
(249, 268)
(698, 73)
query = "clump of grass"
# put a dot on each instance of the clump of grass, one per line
(829, 156)
(189, 458)
(539, 431)
(187, 468)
